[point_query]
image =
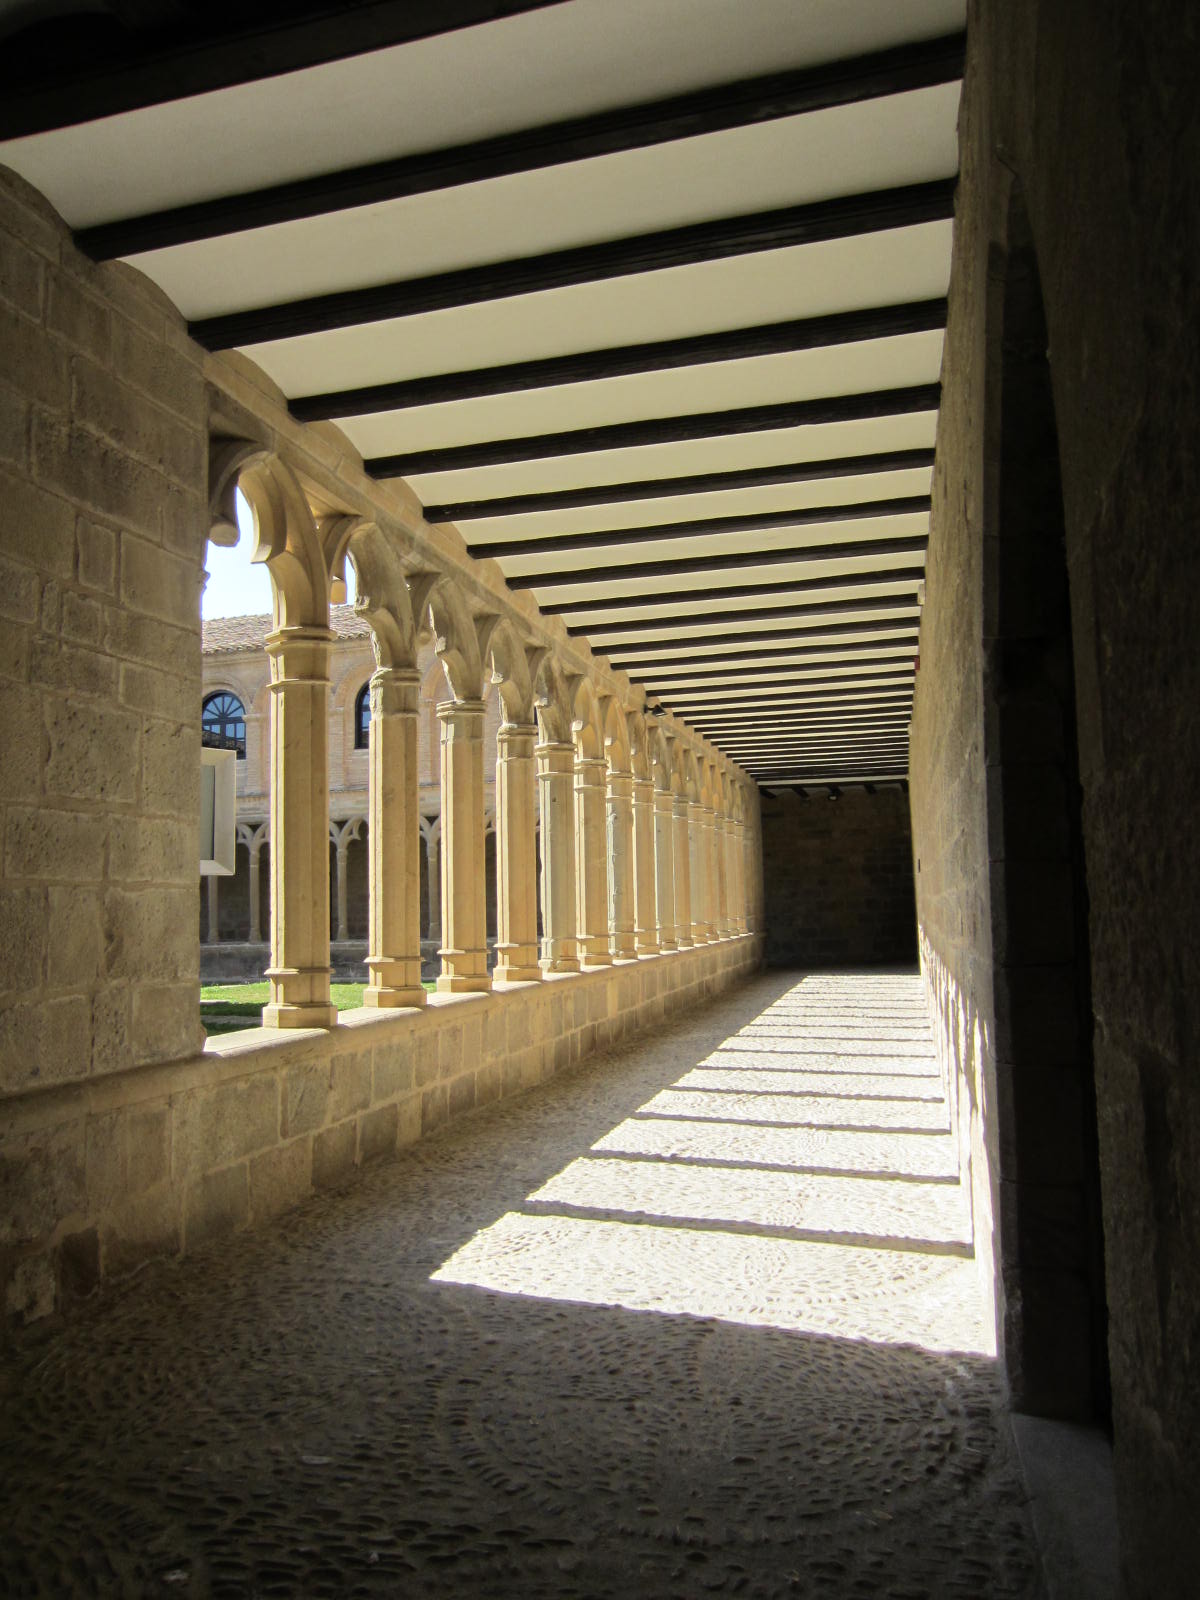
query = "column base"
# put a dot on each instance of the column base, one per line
(645, 946)
(517, 975)
(623, 948)
(381, 998)
(463, 983)
(686, 944)
(559, 964)
(299, 1016)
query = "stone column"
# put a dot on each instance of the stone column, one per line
(645, 914)
(341, 853)
(433, 883)
(516, 862)
(620, 860)
(556, 779)
(701, 929)
(591, 861)
(710, 868)
(212, 933)
(464, 879)
(722, 864)
(299, 965)
(393, 842)
(664, 877)
(682, 857)
(255, 893)
(735, 873)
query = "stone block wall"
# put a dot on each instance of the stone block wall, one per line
(103, 464)
(1090, 109)
(98, 1177)
(838, 880)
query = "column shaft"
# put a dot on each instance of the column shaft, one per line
(516, 862)
(645, 914)
(393, 842)
(722, 860)
(683, 875)
(591, 862)
(664, 877)
(464, 880)
(341, 853)
(255, 896)
(556, 782)
(620, 863)
(701, 931)
(433, 885)
(299, 968)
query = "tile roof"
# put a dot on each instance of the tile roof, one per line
(225, 635)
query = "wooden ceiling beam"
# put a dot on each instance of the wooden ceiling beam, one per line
(678, 566)
(749, 101)
(696, 483)
(711, 240)
(662, 532)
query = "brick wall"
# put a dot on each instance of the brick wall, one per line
(838, 880)
(103, 461)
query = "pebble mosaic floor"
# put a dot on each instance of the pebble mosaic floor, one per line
(699, 1317)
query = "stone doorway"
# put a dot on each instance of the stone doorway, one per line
(1055, 1320)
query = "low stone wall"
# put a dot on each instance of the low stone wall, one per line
(98, 1177)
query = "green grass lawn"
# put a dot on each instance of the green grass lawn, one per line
(227, 1007)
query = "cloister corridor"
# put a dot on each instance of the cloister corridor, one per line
(699, 1315)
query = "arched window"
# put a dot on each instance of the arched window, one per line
(223, 723)
(362, 717)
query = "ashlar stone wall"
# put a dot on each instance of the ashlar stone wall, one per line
(103, 464)
(838, 879)
(1087, 111)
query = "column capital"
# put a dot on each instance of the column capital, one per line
(395, 692)
(620, 785)
(299, 655)
(555, 757)
(591, 771)
(516, 741)
(452, 712)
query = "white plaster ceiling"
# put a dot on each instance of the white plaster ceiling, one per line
(691, 635)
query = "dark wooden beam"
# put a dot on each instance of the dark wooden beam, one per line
(678, 566)
(590, 263)
(591, 366)
(45, 82)
(764, 727)
(661, 430)
(780, 698)
(736, 591)
(684, 116)
(697, 483)
(663, 532)
(751, 653)
(708, 643)
(889, 673)
(599, 631)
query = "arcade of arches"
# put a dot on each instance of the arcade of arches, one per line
(823, 514)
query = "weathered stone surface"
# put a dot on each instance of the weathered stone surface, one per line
(377, 1133)
(212, 1127)
(334, 1153)
(280, 1178)
(216, 1204)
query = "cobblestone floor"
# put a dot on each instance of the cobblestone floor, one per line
(696, 1318)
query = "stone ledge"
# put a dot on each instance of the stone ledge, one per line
(174, 1152)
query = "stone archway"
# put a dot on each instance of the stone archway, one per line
(1051, 1239)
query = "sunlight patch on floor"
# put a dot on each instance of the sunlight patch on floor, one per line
(803, 1175)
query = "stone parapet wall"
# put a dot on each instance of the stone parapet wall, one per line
(97, 1178)
(838, 880)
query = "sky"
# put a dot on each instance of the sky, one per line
(236, 586)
